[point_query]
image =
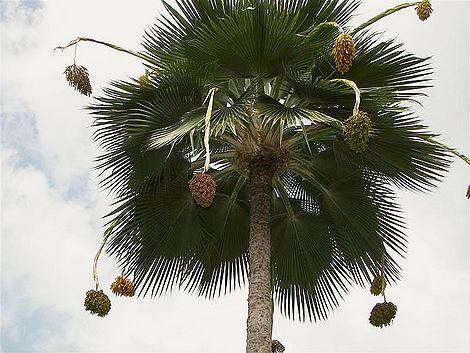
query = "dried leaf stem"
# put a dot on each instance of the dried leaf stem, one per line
(382, 15)
(109, 45)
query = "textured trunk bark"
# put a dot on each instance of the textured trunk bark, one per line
(260, 306)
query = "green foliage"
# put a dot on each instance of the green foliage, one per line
(334, 211)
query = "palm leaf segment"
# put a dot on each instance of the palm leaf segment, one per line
(333, 213)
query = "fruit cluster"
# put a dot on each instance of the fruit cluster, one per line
(202, 188)
(424, 10)
(97, 302)
(277, 347)
(382, 314)
(376, 286)
(144, 80)
(356, 131)
(77, 77)
(123, 286)
(343, 52)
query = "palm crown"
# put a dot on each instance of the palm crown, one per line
(258, 79)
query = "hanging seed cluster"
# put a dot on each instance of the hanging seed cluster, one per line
(356, 131)
(97, 302)
(424, 10)
(202, 188)
(144, 80)
(277, 347)
(343, 52)
(123, 286)
(382, 314)
(376, 286)
(78, 78)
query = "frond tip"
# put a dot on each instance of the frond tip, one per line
(343, 52)
(424, 10)
(78, 78)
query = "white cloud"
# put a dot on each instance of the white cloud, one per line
(50, 234)
(33, 72)
(48, 245)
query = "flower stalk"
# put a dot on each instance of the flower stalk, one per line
(109, 45)
(97, 256)
(382, 15)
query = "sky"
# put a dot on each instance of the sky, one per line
(51, 207)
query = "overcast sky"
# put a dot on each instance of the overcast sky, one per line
(51, 224)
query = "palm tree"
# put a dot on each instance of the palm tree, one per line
(306, 159)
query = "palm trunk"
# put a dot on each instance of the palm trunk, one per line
(260, 306)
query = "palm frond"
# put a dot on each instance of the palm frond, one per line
(237, 38)
(210, 258)
(272, 112)
(334, 214)
(305, 264)
(398, 150)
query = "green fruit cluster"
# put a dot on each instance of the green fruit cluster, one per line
(382, 314)
(356, 131)
(144, 80)
(376, 286)
(97, 302)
